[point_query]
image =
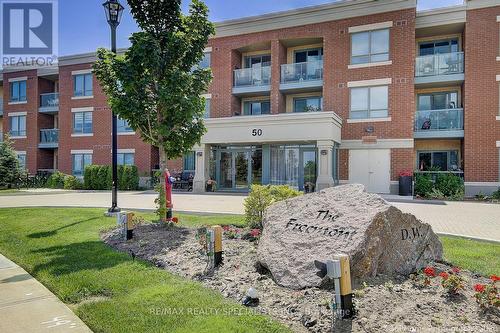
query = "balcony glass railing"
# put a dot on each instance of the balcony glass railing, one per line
(255, 76)
(49, 100)
(303, 71)
(439, 120)
(440, 64)
(49, 136)
(1, 136)
(1, 106)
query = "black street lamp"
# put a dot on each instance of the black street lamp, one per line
(114, 11)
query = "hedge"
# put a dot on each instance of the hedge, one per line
(62, 181)
(99, 177)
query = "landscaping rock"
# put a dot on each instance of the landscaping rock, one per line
(377, 236)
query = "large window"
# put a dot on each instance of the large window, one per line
(438, 101)
(21, 158)
(83, 85)
(82, 122)
(80, 161)
(207, 108)
(307, 104)
(252, 108)
(369, 102)
(294, 166)
(125, 158)
(309, 55)
(123, 126)
(18, 91)
(205, 62)
(258, 60)
(438, 160)
(438, 47)
(190, 161)
(18, 126)
(370, 46)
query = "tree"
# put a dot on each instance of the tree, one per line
(156, 85)
(10, 170)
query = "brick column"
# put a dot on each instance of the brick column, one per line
(278, 57)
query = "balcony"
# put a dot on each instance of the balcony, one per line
(252, 81)
(1, 107)
(448, 123)
(304, 76)
(1, 136)
(442, 68)
(49, 138)
(49, 103)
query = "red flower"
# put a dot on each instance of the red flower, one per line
(226, 228)
(479, 288)
(430, 271)
(406, 173)
(255, 232)
(444, 275)
(495, 278)
(455, 270)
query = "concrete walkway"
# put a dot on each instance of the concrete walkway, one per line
(27, 306)
(469, 219)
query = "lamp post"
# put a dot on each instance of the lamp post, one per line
(114, 11)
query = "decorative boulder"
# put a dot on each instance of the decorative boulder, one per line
(378, 237)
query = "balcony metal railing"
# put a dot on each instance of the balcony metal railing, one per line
(302, 71)
(49, 100)
(439, 120)
(255, 76)
(440, 64)
(48, 136)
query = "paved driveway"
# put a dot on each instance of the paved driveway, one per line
(471, 219)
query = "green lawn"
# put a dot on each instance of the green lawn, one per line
(109, 291)
(480, 257)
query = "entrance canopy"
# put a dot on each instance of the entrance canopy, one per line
(285, 127)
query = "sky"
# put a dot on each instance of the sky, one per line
(83, 27)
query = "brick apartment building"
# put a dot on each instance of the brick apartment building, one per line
(353, 91)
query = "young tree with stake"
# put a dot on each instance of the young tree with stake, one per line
(156, 85)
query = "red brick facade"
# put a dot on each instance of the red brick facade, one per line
(480, 40)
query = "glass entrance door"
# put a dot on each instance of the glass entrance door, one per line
(234, 169)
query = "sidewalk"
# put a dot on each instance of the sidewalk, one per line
(27, 306)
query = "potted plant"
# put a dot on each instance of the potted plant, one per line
(405, 183)
(211, 185)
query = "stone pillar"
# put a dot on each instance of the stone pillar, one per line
(325, 165)
(201, 174)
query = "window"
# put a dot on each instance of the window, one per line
(369, 102)
(438, 160)
(18, 126)
(257, 61)
(309, 55)
(252, 108)
(189, 161)
(18, 91)
(83, 85)
(207, 108)
(205, 62)
(125, 158)
(438, 101)
(22, 160)
(80, 161)
(122, 126)
(438, 47)
(307, 104)
(82, 122)
(370, 46)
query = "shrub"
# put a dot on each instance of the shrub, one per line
(450, 185)
(423, 184)
(496, 195)
(99, 177)
(128, 177)
(10, 170)
(56, 180)
(72, 183)
(261, 197)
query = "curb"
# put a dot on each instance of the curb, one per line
(479, 239)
